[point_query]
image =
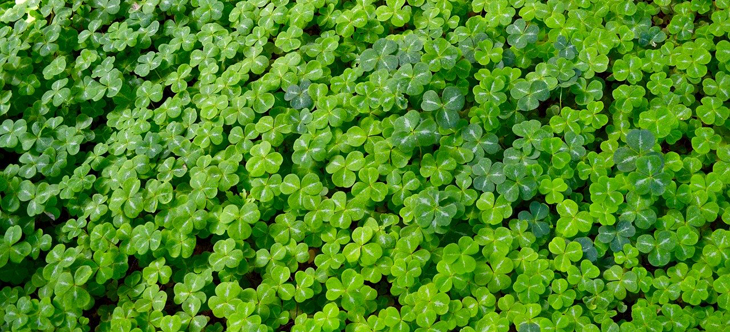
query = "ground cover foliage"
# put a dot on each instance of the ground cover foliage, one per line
(398, 165)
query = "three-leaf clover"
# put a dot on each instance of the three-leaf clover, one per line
(649, 176)
(447, 106)
(458, 256)
(620, 281)
(553, 189)
(263, 160)
(572, 220)
(565, 253)
(225, 255)
(381, 56)
(530, 94)
(434, 210)
(521, 34)
(640, 143)
(659, 247)
(617, 236)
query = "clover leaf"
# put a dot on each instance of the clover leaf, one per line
(640, 143)
(520, 34)
(659, 247)
(529, 94)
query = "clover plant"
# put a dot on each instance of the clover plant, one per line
(364, 166)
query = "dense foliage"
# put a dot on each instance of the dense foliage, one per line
(396, 166)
